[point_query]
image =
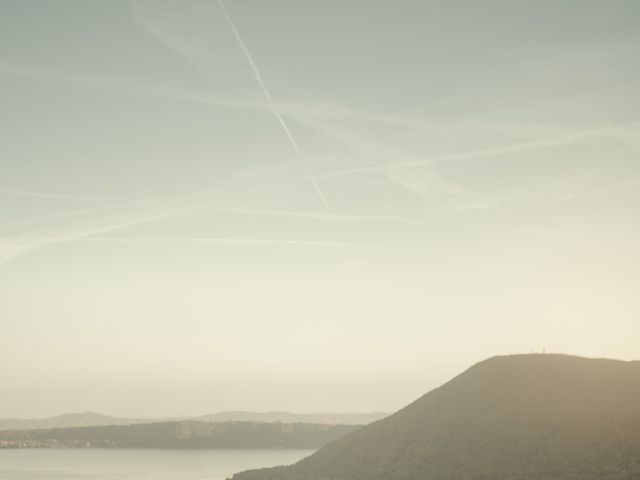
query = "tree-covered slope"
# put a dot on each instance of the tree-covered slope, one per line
(520, 417)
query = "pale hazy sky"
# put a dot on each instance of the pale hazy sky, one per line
(165, 247)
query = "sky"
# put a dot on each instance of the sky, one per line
(309, 206)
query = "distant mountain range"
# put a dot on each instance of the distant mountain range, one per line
(187, 434)
(84, 419)
(92, 419)
(525, 417)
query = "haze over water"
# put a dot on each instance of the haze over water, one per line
(96, 464)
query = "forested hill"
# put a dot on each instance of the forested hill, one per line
(183, 434)
(530, 417)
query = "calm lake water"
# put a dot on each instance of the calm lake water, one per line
(90, 464)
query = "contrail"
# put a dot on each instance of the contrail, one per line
(271, 101)
(127, 214)
(502, 150)
(83, 212)
(20, 193)
(604, 190)
(300, 111)
(306, 114)
(238, 242)
(12, 247)
(318, 215)
(116, 87)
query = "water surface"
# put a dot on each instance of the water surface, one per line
(117, 464)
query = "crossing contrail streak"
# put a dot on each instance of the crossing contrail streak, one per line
(272, 103)
(316, 215)
(239, 242)
(21, 193)
(502, 150)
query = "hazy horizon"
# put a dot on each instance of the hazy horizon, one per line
(202, 414)
(309, 206)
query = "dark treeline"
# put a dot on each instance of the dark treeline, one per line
(183, 434)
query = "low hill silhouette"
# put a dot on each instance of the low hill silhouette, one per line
(519, 417)
(93, 419)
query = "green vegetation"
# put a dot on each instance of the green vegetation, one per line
(526, 417)
(184, 434)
